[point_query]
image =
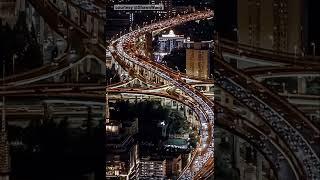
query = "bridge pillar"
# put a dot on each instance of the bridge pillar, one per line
(149, 74)
(259, 166)
(119, 70)
(41, 39)
(103, 69)
(236, 152)
(78, 15)
(88, 65)
(88, 23)
(77, 73)
(302, 85)
(29, 16)
(207, 88)
(95, 27)
(68, 9)
(81, 68)
(20, 6)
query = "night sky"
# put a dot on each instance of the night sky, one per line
(226, 17)
(314, 28)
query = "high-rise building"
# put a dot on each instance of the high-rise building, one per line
(198, 60)
(10, 9)
(273, 24)
(167, 4)
(146, 166)
(148, 44)
(4, 148)
(168, 42)
(150, 168)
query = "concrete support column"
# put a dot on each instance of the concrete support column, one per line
(302, 85)
(161, 102)
(103, 69)
(143, 72)
(78, 16)
(119, 70)
(88, 24)
(81, 69)
(185, 111)
(236, 152)
(20, 6)
(149, 74)
(207, 88)
(88, 65)
(29, 18)
(95, 27)
(259, 166)
(77, 73)
(41, 30)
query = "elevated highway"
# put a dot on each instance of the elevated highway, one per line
(254, 54)
(230, 121)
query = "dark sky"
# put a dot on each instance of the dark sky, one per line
(314, 14)
(225, 17)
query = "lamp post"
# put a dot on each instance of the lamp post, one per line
(110, 79)
(284, 87)
(13, 62)
(237, 33)
(272, 41)
(313, 48)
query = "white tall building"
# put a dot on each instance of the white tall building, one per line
(168, 42)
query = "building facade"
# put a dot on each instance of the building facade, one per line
(171, 41)
(274, 24)
(10, 9)
(198, 60)
(167, 4)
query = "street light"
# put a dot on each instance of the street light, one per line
(237, 31)
(295, 51)
(284, 87)
(272, 41)
(313, 48)
(13, 62)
